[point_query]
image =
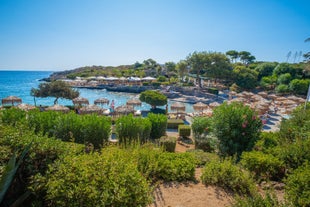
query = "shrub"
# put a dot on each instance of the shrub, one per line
(208, 143)
(227, 175)
(184, 130)
(299, 86)
(169, 143)
(133, 129)
(264, 166)
(12, 116)
(267, 141)
(201, 126)
(237, 127)
(174, 123)
(284, 79)
(282, 88)
(156, 84)
(297, 188)
(159, 125)
(110, 179)
(176, 166)
(268, 200)
(213, 91)
(293, 154)
(297, 127)
(43, 152)
(203, 157)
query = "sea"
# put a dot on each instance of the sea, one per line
(20, 83)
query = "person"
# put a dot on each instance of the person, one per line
(112, 106)
(41, 108)
(276, 109)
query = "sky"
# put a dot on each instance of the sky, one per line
(66, 34)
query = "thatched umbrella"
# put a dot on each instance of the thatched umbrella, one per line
(200, 106)
(58, 108)
(177, 107)
(214, 104)
(10, 100)
(25, 107)
(101, 101)
(263, 94)
(272, 96)
(281, 98)
(80, 101)
(89, 109)
(133, 102)
(125, 109)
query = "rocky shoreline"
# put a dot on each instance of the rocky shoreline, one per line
(186, 95)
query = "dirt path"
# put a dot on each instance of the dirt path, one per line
(190, 194)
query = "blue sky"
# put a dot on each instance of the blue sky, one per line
(65, 34)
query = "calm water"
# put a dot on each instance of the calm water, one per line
(19, 83)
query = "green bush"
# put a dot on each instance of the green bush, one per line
(174, 123)
(264, 166)
(208, 143)
(184, 130)
(72, 127)
(297, 127)
(227, 175)
(110, 179)
(43, 152)
(133, 129)
(155, 164)
(282, 89)
(268, 200)
(156, 84)
(169, 143)
(201, 126)
(297, 188)
(176, 166)
(203, 157)
(159, 125)
(237, 127)
(267, 141)
(213, 91)
(12, 116)
(299, 86)
(145, 83)
(293, 154)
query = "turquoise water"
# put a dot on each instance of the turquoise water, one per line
(19, 83)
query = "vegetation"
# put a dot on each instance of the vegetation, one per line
(57, 89)
(184, 131)
(159, 125)
(154, 98)
(168, 143)
(237, 127)
(227, 175)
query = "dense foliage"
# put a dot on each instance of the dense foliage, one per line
(237, 127)
(131, 129)
(298, 186)
(168, 143)
(227, 175)
(109, 179)
(159, 125)
(57, 89)
(154, 98)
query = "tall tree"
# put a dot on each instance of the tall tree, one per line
(246, 57)
(307, 55)
(218, 66)
(182, 68)
(233, 55)
(197, 62)
(57, 89)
